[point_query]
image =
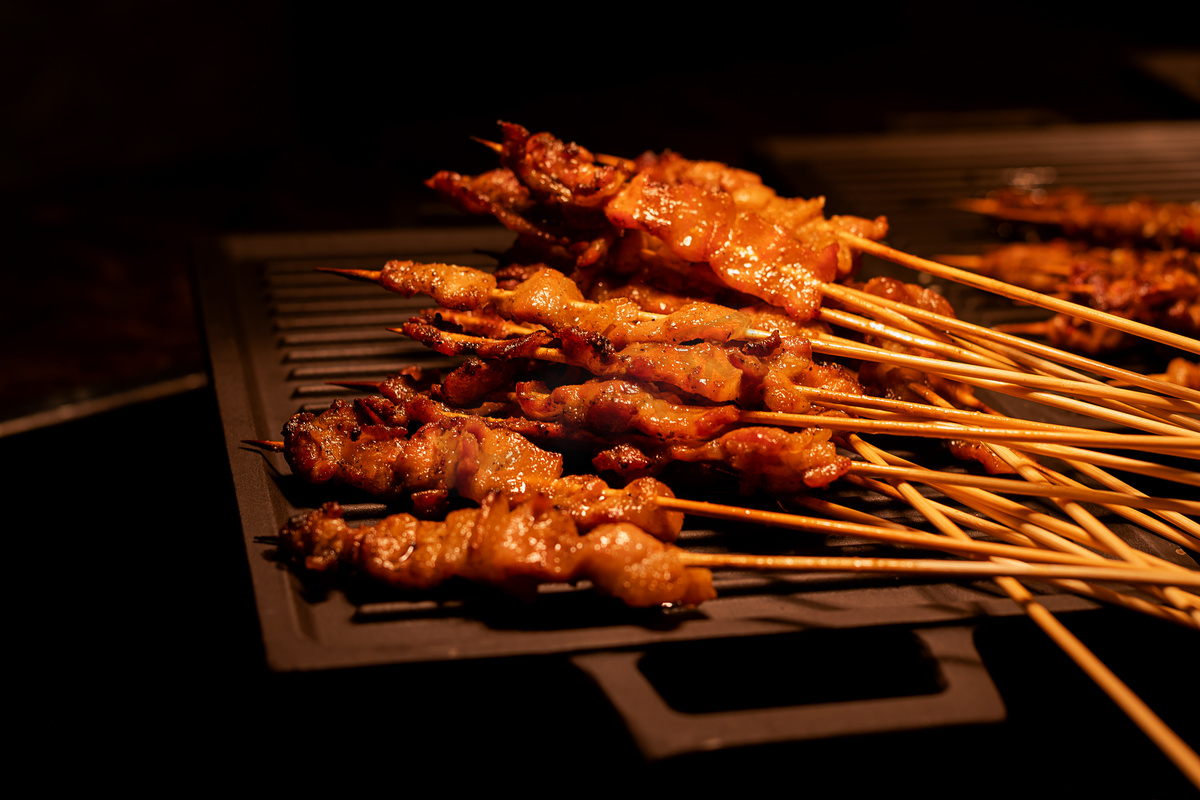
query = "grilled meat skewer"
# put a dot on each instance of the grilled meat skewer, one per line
(504, 543)
(1136, 223)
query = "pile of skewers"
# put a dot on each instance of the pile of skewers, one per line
(660, 314)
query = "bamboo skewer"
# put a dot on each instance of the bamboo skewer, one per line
(1133, 706)
(957, 370)
(1020, 487)
(939, 568)
(1018, 293)
(1046, 367)
(839, 292)
(900, 313)
(1104, 540)
(894, 534)
(965, 373)
(1189, 533)
(988, 503)
(1023, 462)
(1083, 408)
(952, 430)
(1092, 591)
(1186, 604)
(1027, 525)
(1114, 544)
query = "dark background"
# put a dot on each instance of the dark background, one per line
(133, 129)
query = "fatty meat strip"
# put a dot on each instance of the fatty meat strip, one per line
(1136, 223)
(353, 444)
(755, 242)
(1159, 288)
(504, 543)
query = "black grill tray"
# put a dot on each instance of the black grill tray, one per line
(277, 331)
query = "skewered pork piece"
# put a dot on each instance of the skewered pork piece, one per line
(1043, 267)
(1137, 223)
(352, 443)
(617, 406)
(771, 459)
(763, 374)
(1159, 288)
(548, 297)
(661, 423)
(511, 545)
(769, 380)
(703, 212)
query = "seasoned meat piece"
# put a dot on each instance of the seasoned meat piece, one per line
(617, 406)
(345, 444)
(556, 171)
(748, 252)
(772, 459)
(450, 285)
(456, 454)
(893, 380)
(642, 571)
(498, 193)
(1135, 223)
(514, 546)
(716, 373)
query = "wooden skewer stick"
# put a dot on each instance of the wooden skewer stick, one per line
(1008, 486)
(265, 444)
(1018, 293)
(1163, 737)
(1092, 591)
(941, 568)
(1173, 747)
(900, 313)
(1176, 445)
(958, 370)
(1103, 535)
(1188, 534)
(1141, 422)
(990, 504)
(895, 534)
(1046, 367)
(1033, 526)
(1035, 473)
(1005, 358)
(891, 408)
(943, 346)
(1009, 358)
(557, 356)
(976, 263)
(1137, 517)
(750, 333)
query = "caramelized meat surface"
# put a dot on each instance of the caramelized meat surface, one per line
(511, 545)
